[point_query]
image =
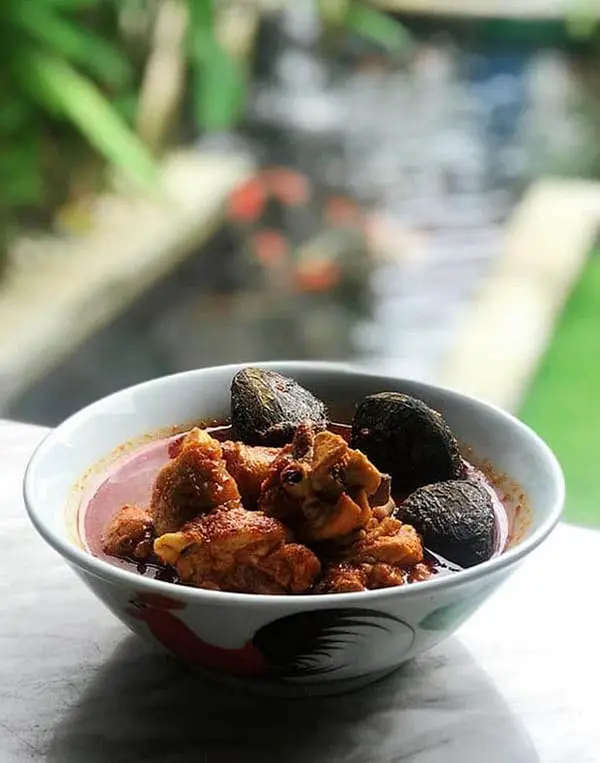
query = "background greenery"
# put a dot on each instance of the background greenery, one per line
(562, 404)
(71, 73)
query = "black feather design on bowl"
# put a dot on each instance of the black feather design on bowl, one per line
(331, 641)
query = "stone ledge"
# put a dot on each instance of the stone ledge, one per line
(69, 288)
(506, 331)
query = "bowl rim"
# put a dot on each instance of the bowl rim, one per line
(99, 568)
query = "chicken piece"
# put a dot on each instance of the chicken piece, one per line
(381, 502)
(382, 555)
(420, 572)
(319, 487)
(239, 550)
(195, 482)
(294, 567)
(129, 534)
(390, 541)
(197, 437)
(348, 577)
(249, 466)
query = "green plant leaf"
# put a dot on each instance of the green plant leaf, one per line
(581, 27)
(126, 105)
(378, 27)
(202, 15)
(73, 5)
(73, 42)
(22, 182)
(334, 12)
(25, 189)
(64, 91)
(582, 18)
(15, 113)
(219, 87)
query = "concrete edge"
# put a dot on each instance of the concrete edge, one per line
(76, 285)
(507, 329)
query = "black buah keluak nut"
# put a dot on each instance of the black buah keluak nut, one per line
(266, 407)
(406, 439)
(456, 520)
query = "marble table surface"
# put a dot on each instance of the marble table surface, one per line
(518, 683)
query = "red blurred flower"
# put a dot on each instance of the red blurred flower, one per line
(247, 202)
(317, 275)
(342, 211)
(287, 186)
(270, 246)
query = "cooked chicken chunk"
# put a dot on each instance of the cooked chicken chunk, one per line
(319, 486)
(239, 550)
(348, 577)
(129, 534)
(390, 541)
(381, 501)
(384, 554)
(249, 466)
(419, 572)
(195, 482)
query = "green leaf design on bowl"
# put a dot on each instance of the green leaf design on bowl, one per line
(448, 616)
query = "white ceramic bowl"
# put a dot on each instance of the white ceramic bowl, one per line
(286, 644)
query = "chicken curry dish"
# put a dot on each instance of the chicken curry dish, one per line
(280, 500)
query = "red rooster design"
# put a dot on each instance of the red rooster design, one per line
(158, 613)
(298, 646)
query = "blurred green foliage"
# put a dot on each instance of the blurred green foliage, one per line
(219, 82)
(70, 75)
(369, 23)
(562, 402)
(57, 79)
(582, 18)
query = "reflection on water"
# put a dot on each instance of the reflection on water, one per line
(435, 149)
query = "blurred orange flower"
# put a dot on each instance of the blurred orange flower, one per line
(286, 185)
(342, 211)
(270, 246)
(317, 275)
(247, 202)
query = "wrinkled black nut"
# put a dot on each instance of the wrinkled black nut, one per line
(266, 407)
(405, 438)
(456, 520)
